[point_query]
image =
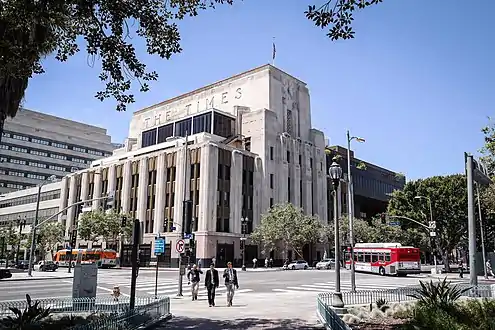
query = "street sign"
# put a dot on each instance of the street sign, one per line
(394, 223)
(173, 228)
(159, 246)
(180, 246)
(432, 225)
(188, 236)
(433, 234)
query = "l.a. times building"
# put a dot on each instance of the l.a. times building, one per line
(250, 146)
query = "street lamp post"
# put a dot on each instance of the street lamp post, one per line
(35, 224)
(244, 222)
(432, 239)
(335, 172)
(350, 194)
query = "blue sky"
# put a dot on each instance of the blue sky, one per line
(418, 81)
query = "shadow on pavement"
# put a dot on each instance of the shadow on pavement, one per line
(248, 323)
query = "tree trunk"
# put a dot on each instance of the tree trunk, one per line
(446, 261)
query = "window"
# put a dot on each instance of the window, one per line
(18, 161)
(202, 123)
(223, 125)
(311, 163)
(165, 132)
(271, 202)
(247, 144)
(13, 173)
(148, 138)
(20, 137)
(3, 146)
(95, 152)
(374, 258)
(271, 153)
(288, 156)
(79, 149)
(79, 160)
(56, 156)
(387, 256)
(35, 176)
(59, 145)
(300, 159)
(7, 135)
(271, 181)
(17, 149)
(57, 168)
(39, 153)
(183, 127)
(289, 122)
(34, 164)
(288, 190)
(43, 142)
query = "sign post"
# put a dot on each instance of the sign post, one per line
(159, 250)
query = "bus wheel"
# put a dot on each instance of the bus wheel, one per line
(381, 271)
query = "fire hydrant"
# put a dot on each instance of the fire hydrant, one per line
(116, 293)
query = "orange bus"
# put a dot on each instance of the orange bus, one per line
(104, 258)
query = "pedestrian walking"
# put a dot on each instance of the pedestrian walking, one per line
(211, 283)
(231, 282)
(193, 279)
(489, 270)
(271, 262)
(266, 262)
(461, 269)
(255, 262)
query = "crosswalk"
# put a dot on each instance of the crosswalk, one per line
(379, 283)
(169, 287)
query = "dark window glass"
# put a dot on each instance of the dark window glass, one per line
(271, 181)
(202, 123)
(148, 138)
(223, 125)
(183, 127)
(165, 132)
(271, 153)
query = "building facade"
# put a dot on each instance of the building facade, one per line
(250, 145)
(35, 146)
(372, 184)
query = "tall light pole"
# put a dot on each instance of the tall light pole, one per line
(35, 224)
(335, 172)
(244, 222)
(432, 239)
(350, 194)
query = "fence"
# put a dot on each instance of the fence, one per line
(327, 315)
(116, 315)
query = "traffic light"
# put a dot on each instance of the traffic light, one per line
(187, 212)
(73, 239)
(124, 221)
(383, 218)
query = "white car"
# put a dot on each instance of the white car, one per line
(298, 264)
(325, 264)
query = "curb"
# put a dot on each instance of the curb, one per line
(34, 279)
(157, 322)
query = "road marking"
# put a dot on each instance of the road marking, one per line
(111, 290)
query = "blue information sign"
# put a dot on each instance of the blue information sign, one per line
(395, 223)
(159, 246)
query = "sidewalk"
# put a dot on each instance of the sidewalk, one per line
(249, 270)
(454, 276)
(250, 311)
(59, 274)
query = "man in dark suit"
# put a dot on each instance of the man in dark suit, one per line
(211, 282)
(231, 282)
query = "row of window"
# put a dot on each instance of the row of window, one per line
(37, 140)
(21, 174)
(374, 185)
(45, 196)
(28, 215)
(46, 154)
(369, 257)
(12, 185)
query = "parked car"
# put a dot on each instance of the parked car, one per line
(325, 264)
(298, 264)
(22, 264)
(5, 273)
(45, 266)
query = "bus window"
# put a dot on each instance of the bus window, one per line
(374, 257)
(355, 257)
(360, 257)
(367, 257)
(387, 256)
(381, 257)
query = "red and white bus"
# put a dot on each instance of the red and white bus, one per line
(104, 258)
(385, 259)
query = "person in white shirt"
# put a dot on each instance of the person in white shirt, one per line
(231, 282)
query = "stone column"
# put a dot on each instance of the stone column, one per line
(236, 192)
(182, 184)
(283, 173)
(161, 187)
(64, 186)
(98, 179)
(112, 178)
(208, 190)
(126, 186)
(142, 193)
(84, 186)
(258, 196)
(72, 199)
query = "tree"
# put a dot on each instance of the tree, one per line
(9, 236)
(50, 235)
(31, 30)
(286, 225)
(96, 225)
(448, 195)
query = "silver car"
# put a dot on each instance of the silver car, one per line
(326, 264)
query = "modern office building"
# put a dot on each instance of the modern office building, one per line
(35, 146)
(250, 145)
(372, 184)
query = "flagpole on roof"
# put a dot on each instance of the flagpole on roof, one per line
(274, 52)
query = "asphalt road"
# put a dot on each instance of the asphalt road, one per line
(251, 283)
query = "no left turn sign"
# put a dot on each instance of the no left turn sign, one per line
(180, 246)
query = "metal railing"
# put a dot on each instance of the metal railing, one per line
(78, 305)
(327, 315)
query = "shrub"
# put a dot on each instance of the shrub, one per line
(30, 318)
(440, 295)
(434, 318)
